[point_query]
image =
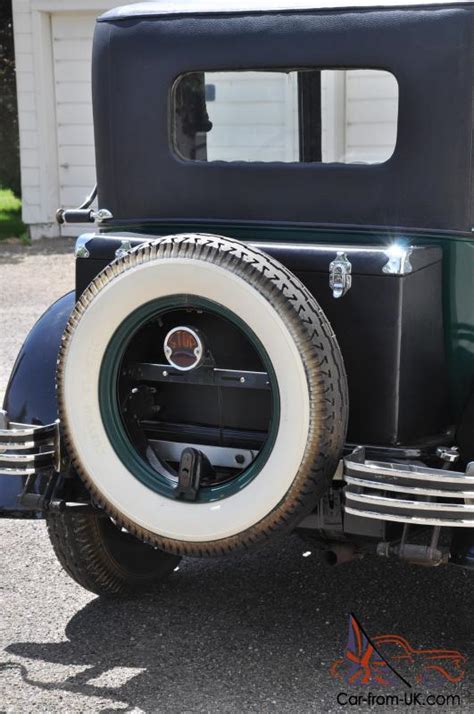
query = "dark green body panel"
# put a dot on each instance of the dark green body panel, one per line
(458, 275)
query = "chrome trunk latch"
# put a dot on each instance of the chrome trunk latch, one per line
(340, 278)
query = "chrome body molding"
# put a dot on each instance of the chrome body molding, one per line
(38, 447)
(408, 493)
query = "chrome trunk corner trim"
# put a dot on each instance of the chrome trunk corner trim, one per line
(398, 260)
(80, 250)
(408, 493)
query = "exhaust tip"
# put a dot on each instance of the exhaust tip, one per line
(339, 553)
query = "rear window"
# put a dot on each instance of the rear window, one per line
(329, 116)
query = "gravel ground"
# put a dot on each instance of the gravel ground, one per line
(31, 278)
(253, 633)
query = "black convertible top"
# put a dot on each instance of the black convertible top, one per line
(140, 50)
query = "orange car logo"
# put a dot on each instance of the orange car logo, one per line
(382, 659)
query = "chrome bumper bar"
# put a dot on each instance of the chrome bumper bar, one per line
(408, 493)
(26, 449)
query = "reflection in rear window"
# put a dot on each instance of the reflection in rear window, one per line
(345, 116)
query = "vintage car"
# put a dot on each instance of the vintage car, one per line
(272, 327)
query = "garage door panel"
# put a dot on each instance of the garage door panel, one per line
(75, 196)
(75, 135)
(74, 176)
(74, 113)
(82, 93)
(76, 155)
(71, 71)
(71, 26)
(72, 49)
(69, 49)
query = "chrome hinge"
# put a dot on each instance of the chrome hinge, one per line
(103, 214)
(340, 278)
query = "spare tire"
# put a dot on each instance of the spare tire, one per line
(123, 416)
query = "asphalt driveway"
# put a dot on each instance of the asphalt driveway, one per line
(251, 633)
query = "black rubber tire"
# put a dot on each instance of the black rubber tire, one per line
(323, 365)
(101, 557)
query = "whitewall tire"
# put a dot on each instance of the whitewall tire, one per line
(308, 369)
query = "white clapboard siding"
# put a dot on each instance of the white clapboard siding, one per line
(371, 134)
(74, 195)
(72, 45)
(71, 71)
(77, 155)
(76, 113)
(373, 84)
(70, 134)
(71, 50)
(81, 94)
(73, 26)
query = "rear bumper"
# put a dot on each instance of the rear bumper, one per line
(403, 493)
(408, 493)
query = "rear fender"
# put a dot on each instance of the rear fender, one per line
(31, 392)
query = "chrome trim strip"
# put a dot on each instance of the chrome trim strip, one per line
(26, 430)
(409, 505)
(24, 445)
(415, 490)
(39, 458)
(26, 471)
(455, 523)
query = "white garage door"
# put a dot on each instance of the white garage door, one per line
(72, 47)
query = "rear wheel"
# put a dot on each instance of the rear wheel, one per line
(202, 394)
(101, 557)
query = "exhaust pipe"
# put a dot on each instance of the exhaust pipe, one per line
(338, 553)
